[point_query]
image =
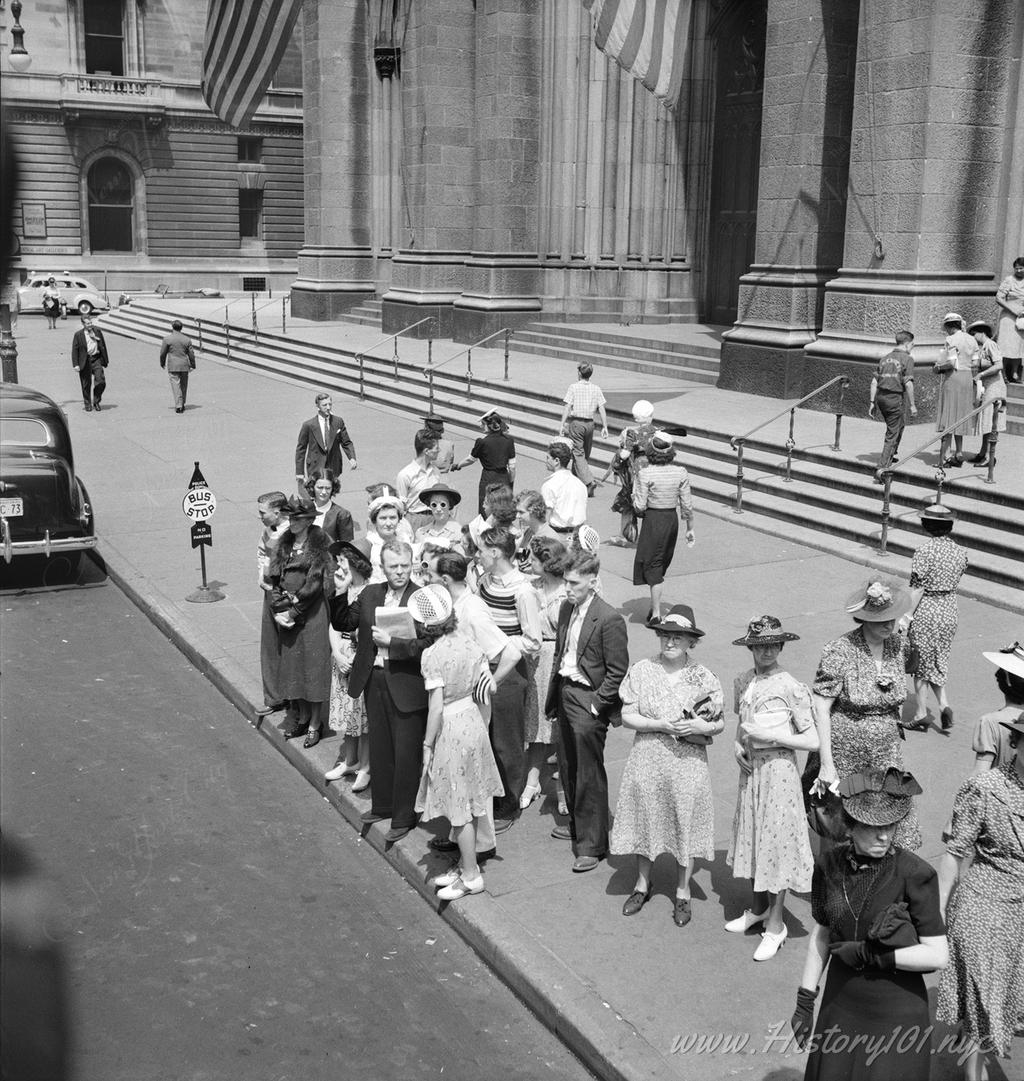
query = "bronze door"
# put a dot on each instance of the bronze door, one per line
(735, 160)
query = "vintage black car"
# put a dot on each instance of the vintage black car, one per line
(44, 507)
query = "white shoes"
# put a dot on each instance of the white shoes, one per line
(339, 771)
(461, 887)
(770, 944)
(362, 780)
(445, 879)
(746, 921)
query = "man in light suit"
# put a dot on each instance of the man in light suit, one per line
(321, 441)
(386, 671)
(591, 659)
(89, 357)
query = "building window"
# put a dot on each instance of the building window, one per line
(111, 206)
(250, 149)
(250, 214)
(104, 37)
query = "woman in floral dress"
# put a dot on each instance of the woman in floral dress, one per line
(675, 706)
(347, 715)
(858, 696)
(983, 987)
(769, 845)
(937, 568)
(460, 776)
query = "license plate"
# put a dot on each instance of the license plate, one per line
(11, 508)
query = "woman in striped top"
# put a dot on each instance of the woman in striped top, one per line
(659, 489)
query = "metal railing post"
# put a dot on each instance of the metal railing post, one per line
(508, 334)
(738, 509)
(362, 388)
(469, 372)
(394, 359)
(430, 351)
(227, 339)
(199, 327)
(940, 480)
(993, 440)
(255, 326)
(430, 390)
(839, 413)
(790, 444)
(284, 311)
(884, 540)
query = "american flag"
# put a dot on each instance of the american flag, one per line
(245, 40)
(646, 37)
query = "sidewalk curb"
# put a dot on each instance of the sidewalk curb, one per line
(600, 1036)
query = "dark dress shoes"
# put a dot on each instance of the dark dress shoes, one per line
(442, 844)
(582, 864)
(369, 817)
(681, 912)
(265, 711)
(635, 901)
(295, 731)
(561, 833)
(946, 719)
(396, 833)
(312, 738)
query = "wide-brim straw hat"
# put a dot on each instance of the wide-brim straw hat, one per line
(878, 798)
(937, 512)
(1015, 726)
(360, 548)
(679, 620)
(952, 318)
(765, 631)
(1009, 659)
(431, 605)
(878, 601)
(453, 497)
(980, 324)
(588, 538)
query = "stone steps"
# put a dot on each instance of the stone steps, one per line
(367, 314)
(830, 503)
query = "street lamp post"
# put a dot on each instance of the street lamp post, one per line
(18, 57)
(8, 347)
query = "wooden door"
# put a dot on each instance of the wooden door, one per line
(735, 161)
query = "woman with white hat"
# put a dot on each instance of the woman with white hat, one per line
(877, 928)
(460, 776)
(956, 392)
(936, 570)
(991, 743)
(630, 458)
(981, 886)
(661, 494)
(385, 521)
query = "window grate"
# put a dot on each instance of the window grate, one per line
(254, 285)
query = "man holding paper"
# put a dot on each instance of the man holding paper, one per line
(386, 671)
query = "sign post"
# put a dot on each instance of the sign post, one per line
(198, 507)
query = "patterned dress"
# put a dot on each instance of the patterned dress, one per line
(665, 800)
(866, 712)
(347, 715)
(1009, 339)
(769, 831)
(540, 728)
(462, 776)
(937, 568)
(983, 985)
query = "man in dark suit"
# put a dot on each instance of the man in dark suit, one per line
(321, 441)
(386, 671)
(591, 659)
(89, 357)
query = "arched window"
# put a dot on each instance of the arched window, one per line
(111, 206)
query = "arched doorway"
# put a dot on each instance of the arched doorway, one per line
(739, 46)
(111, 200)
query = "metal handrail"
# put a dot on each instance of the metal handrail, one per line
(468, 350)
(361, 356)
(940, 473)
(738, 441)
(228, 305)
(256, 311)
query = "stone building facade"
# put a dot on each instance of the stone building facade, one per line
(126, 175)
(834, 170)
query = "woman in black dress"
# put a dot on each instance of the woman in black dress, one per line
(877, 927)
(496, 453)
(301, 576)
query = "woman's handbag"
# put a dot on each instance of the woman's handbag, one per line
(911, 660)
(825, 816)
(892, 927)
(702, 709)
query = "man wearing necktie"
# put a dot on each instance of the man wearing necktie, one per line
(386, 671)
(89, 357)
(321, 441)
(591, 658)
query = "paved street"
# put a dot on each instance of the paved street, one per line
(222, 920)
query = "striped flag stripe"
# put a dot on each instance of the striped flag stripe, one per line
(648, 38)
(245, 40)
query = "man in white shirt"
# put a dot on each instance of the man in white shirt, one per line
(564, 495)
(417, 476)
(591, 658)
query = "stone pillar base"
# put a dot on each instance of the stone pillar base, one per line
(424, 284)
(330, 281)
(501, 291)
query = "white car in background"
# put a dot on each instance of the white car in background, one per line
(77, 293)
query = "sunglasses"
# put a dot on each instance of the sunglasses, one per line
(440, 504)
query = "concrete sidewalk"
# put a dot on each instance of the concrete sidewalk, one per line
(630, 996)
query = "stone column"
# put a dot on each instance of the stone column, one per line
(924, 224)
(503, 280)
(801, 201)
(336, 265)
(438, 163)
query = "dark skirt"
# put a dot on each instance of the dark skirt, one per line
(305, 651)
(655, 546)
(872, 1026)
(491, 476)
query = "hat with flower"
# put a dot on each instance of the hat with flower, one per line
(878, 798)
(765, 631)
(878, 601)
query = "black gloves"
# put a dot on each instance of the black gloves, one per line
(802, 1020)
(864, 954)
